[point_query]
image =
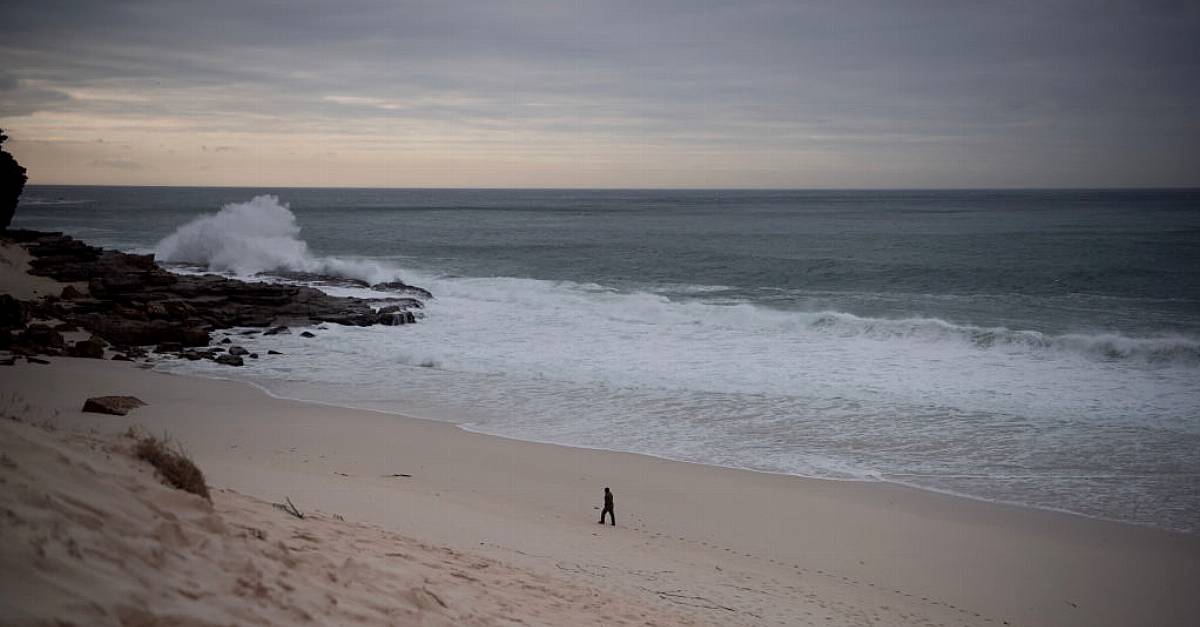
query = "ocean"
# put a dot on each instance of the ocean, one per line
(1032, 347)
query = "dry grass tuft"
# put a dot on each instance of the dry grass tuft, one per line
(173, 464)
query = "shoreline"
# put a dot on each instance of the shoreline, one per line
(865, 545)
(465, 427)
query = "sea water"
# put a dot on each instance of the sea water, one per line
(1035, 347)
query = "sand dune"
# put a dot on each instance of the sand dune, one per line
(90, 537)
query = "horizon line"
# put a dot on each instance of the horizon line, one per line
(643, 189)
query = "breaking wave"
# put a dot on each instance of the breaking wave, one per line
(1106, 346)
(258, 236)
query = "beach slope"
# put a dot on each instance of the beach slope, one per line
(694, 543)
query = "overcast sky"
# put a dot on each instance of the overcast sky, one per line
(559, 93)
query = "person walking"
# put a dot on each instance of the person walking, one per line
(608, 508)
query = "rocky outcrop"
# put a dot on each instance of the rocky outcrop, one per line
(12, 183)
(396, 318)
(91, 348)
(401, 287)
(38, 339)
(13, 313)
(229, 360)
(132, 301)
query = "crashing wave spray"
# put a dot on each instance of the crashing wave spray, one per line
(260, 235)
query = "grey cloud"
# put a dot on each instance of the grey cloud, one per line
(957, 79)
(18, 98)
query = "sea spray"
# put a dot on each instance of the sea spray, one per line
(260, 235)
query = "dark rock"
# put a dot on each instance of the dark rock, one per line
(66, 327)
(121, 357)
(12, 181)
(91, 348)
(191, 355)
(13, 314)
(35, 360)
(112, 405)
(277, 330)
(42, 337)
(398, 304)
(178, 309)
(226, 341)
(229, 360)
(70, 292)
(360, 318)
(397, 318)
(168, 347)
(238, 350)
(308, 334)
(401, 287)
(250, 332)
(138, 332)
(316, 278)
(134, 351)
(253, 355)
(274, 352)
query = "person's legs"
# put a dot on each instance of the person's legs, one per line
(612, 516)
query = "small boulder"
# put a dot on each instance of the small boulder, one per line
(70, 292)
(253, 355)
(274, 352)
(397, 318)
(91, 348)
(169, 347)
(229, 360)
(277, 330)
(238, 350)
(12, 312)
(112, 405)
(308, 334)
(134, 351)
(43, 337)
(121, 357)
(226, 341)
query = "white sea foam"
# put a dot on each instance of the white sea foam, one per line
(260, 235)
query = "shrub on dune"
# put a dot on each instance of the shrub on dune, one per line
(173, 464)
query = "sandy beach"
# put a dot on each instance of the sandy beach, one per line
(693, 543)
